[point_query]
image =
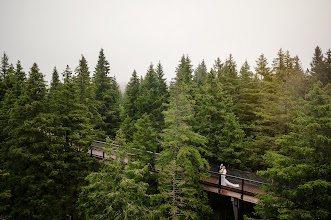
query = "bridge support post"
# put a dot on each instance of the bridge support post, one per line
(219, 183)
(235, 205)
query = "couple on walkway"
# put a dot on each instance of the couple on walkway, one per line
(224, 182)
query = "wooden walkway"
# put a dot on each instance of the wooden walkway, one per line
(246, 191)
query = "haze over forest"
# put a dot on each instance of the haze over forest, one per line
(135, 33)
(246, 84)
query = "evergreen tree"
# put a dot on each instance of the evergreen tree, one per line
(4, 67)
(55, 79)
(163, 97)
(181, 195)
(83, 78)
(184, 70)
(148, 93)
(320, 66)
(215, 120)
(152, 95)
(131, 96)
(228, 77)
(71, 120)
(328, 67)
(218, 67)
(300, 170)
(145, 139)
(33, 158)
(162, 85)
(82, 82)
(316, 65)
(265, 127)
(117, 191)
(248, 98)
(107, 95)
(200, 73)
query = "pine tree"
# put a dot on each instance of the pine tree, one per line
(215, 120)
(71, 120)
(200, 73)
(82, 81)
(182, 166)
(316, 65)
(163, 97)
(228, 76)
(107, 95)
(145, 139)
(4, 67)
(328, 67)
(55, 79)
(320, 66)
(148, 93)
(184, 70)
(300, 170)
(248, 98)
(33, 162)
(131, 96)
(218, 67)
(118, 190)
(162, 85)
(265, 127)
(83, 78)
(152, 95)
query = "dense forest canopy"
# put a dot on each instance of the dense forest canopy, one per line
(273, 119)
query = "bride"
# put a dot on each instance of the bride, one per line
(225, 182)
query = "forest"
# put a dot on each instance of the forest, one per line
(273, 119)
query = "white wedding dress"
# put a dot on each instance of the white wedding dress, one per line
(225, 182)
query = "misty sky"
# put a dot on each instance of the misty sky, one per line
(135, 33)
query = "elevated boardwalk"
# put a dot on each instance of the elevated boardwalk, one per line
(247, 190)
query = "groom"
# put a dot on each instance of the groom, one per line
(220, 168)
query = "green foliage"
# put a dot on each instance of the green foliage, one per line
(181, 195)
(117, 191)
(200, 73)
(300, 170)
(320, 66)
(4, 71)
(131, 96)
(107, 95)
(215, 120)
(32, 160)
(247, 99)
(145, 139)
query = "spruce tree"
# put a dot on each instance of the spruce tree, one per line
(214, 119)
(118, 190)
(82, 82)
(300, 169)
(145, 139)
(148, 93)
(107, 95)
(131, 96)
(4, 67)
(265, 127)
(184, 70)
(181, 195)
(248, 98)
(163, 97)
(34, 161)
(152, 94)
(200, 73)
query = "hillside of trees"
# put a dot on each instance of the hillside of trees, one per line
(273, 119)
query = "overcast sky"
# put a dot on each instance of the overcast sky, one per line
(135, 33)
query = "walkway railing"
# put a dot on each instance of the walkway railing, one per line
(246, 186)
